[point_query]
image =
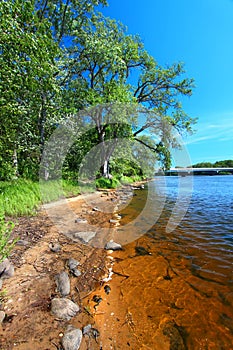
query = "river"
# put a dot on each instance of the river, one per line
(176, 292)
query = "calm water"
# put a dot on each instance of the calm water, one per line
(208, 222)
(184, 288)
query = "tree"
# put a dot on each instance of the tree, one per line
(103, 60)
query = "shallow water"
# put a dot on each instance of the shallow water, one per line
(180, 295)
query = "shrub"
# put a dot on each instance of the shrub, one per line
(103, 182)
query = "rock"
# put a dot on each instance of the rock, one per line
(107, 289)
(0, 284)
(54, 247)
(95, 209)
(112, 246)
(113, 221)
(22, 242)
(76, 272)
(63, 283)
(142, 251)
(2, 316)
(85, 237)
(87, 329)
(171, 331)
(72, 339)
(64, 308)
(72, 263)
(6, 269)
(80, 221)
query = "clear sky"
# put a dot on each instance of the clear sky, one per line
(200, 34)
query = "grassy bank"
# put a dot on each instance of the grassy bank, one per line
(23, 197)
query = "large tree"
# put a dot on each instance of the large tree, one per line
(109, 66)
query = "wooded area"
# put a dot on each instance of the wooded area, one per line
(60, 57)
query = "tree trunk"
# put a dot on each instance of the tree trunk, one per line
(15, 162)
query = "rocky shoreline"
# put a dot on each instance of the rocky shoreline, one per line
(44, 305)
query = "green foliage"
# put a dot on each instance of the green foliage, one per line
(59, 57)
(103, 182)
(5, 232)
(219, 164)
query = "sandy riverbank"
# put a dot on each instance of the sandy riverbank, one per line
(29, 323)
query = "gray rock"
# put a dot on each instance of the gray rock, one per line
(85, 237)
(0, 284)
(87, 329)
(112, 246)
(64, 308)
(63, 283)
(95, 209)
(72, 263)
(6, 269)
(76, 272)
(22, 242)
(55, 247)
(80, 221)
(2, 316)
(72, 339)
(113, 221)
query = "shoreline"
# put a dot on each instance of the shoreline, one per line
(28, 321)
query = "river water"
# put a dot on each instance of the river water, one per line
(180, 294)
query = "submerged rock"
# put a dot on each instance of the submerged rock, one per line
(171, 331)
(107, 289)
(63, 283)
(72, 339)
(142, 251)
(64, 308)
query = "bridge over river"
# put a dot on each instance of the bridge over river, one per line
(199, 171)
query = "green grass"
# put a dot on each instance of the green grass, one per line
(23, 197)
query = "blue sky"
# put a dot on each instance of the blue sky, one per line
(200, 34)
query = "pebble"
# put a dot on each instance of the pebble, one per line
(64, 308)
(80, 221)
(72, 263)
(72, 339)
(112, 246)
(22, 242)
(113, 221)
(54, 247)
(107, 289)
(95, 209)
(87, 329)
(2, 316)
(76, 272)
(6, 269)
(63, 283)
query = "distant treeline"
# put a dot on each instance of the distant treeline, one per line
(219, 164)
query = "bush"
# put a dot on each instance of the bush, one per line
(103, 182)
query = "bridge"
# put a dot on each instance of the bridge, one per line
(198, 171)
